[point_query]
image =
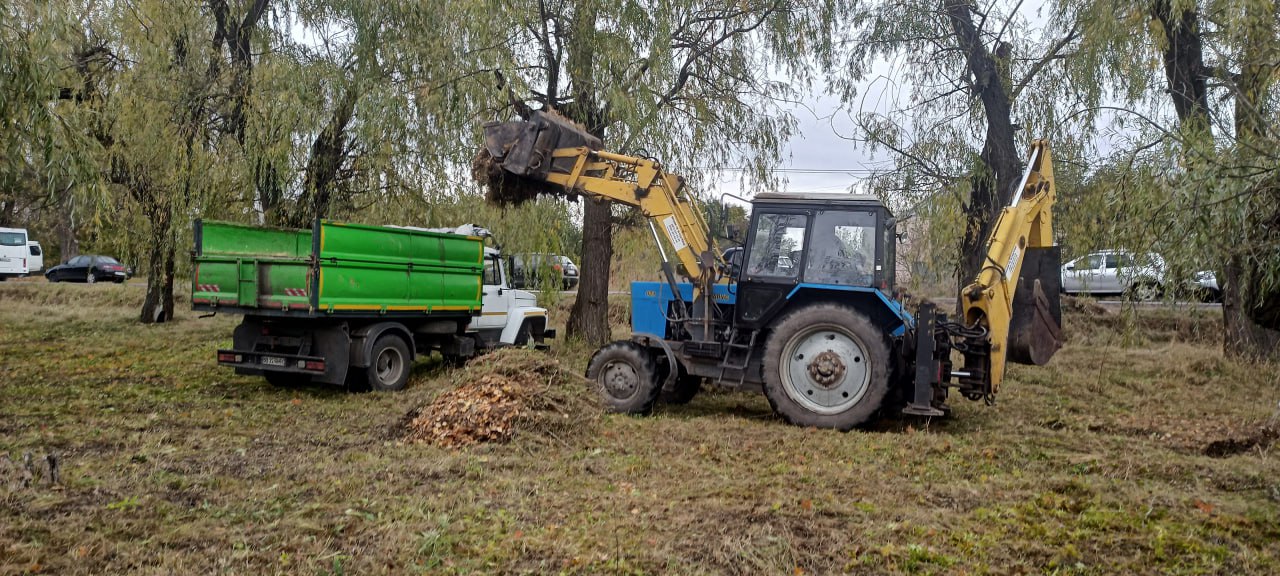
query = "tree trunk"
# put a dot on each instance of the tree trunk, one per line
(589, 318)
(158, 304)
(327, 154)
(1244, 337)
(999, 164)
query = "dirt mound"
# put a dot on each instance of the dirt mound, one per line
(503, 394)
(506, 189)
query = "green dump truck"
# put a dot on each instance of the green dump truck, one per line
(353, 304)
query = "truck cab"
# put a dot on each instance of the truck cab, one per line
(509, 315)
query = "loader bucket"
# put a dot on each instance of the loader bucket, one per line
(1035, 330)
(524, 147)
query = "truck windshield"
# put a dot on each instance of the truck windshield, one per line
(843, 250)
(13, 239)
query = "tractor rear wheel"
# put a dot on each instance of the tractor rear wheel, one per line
(826, 366)
(626, 376)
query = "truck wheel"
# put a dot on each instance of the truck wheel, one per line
(389, 364)
(826, 366)
(626, 376)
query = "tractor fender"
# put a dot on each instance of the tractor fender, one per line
(362, 340)
(652, 341)
(516, 318)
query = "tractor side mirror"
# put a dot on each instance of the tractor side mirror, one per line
(735, 232)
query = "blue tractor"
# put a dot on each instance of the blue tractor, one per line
(806, 311)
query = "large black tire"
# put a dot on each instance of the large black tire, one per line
(626, 376)
(835, 371)
(389, 364)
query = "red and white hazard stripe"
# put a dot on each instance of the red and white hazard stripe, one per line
(295, 292)
(207, 288)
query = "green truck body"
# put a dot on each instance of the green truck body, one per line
(335, 269)
(353, 304)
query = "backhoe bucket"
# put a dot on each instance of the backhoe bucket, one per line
(1035, 331)
(524, 147)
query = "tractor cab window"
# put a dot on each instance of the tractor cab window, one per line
(778, 246)
(844, 249)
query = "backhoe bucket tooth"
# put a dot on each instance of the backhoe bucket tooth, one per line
(1035, 330)
(524, 147)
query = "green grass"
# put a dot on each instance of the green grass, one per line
(1095, 464)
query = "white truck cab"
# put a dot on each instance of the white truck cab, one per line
(509, 316)
(14, 253)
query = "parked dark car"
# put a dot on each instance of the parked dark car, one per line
(89, 268)
(529, 270)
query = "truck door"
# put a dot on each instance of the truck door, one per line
(496, 297)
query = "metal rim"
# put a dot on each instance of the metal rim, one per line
(620, 379)
(389, 365)
(825, 369)
(92, 278)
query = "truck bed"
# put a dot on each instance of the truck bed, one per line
(335, 269)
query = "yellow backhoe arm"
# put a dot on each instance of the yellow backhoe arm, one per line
(1021, 327)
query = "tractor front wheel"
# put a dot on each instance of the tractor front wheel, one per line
(626, 376)
(826, 366)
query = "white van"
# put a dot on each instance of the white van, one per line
(35, 261)
(14, 253)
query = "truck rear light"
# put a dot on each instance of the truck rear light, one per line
(228, 357)
(315, 365)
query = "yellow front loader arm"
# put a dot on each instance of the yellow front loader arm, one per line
(549, 149)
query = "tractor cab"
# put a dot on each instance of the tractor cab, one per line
(800, 243)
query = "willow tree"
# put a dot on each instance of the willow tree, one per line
(980, 81)
(686, 81)
(1199, 87)
(46, 172)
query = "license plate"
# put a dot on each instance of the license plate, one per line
(271, 361)
(119, 273)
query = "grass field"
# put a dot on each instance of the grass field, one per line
(1139, 450)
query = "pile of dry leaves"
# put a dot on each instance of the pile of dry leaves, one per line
(505, 393)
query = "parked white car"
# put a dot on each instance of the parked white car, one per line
(14, 253)
(1136, 276)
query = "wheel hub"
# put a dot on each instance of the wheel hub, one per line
(620, 379)
(826, 369)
